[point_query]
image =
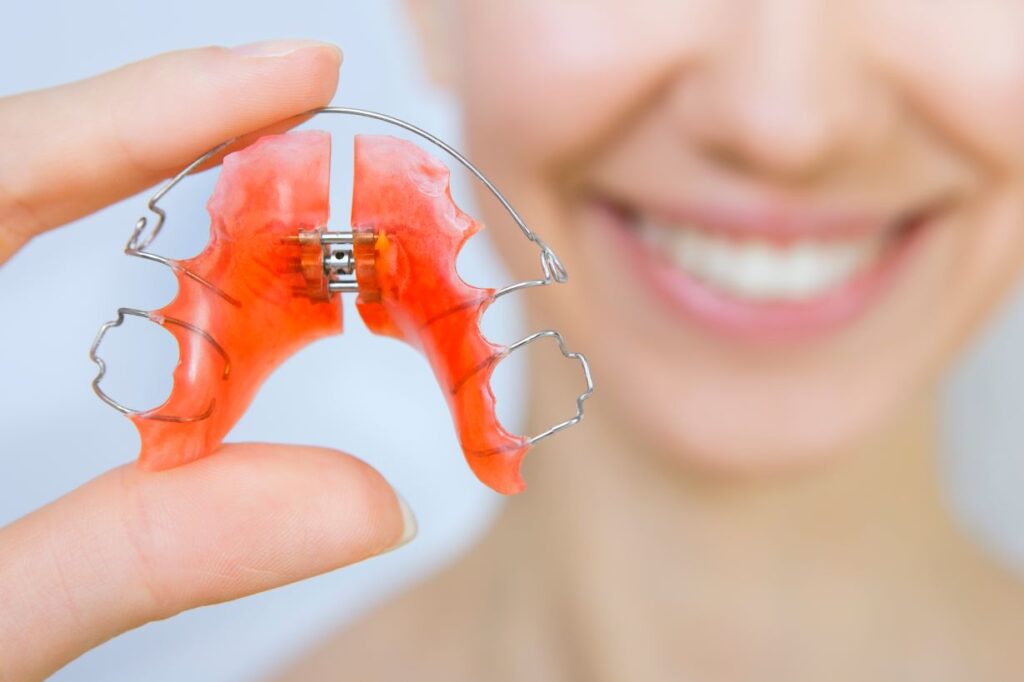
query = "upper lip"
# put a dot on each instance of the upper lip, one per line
(781, 222)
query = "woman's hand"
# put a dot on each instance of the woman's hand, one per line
(130, 547)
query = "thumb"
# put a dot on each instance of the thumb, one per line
(132, 546)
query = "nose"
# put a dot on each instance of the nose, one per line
(778, 92)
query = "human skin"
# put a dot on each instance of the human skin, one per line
(130, 547)
(747, 500)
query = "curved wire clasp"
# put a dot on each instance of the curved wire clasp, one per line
(571, 355)
(552, 270)
(162, 320)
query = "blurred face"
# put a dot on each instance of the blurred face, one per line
(781, 219)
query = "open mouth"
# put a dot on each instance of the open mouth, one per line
(762, 274)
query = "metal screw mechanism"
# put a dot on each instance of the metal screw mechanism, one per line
(339, 262)
(327, 262)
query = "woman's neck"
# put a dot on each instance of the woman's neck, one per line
(647, 570)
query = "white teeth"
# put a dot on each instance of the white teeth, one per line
(758, 270)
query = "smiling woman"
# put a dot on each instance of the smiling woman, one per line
(788, 127)
(784, 221)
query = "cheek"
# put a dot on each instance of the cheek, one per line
(541, 79)
(964, 65)
(992, 252)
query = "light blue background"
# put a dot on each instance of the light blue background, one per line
(350, 392)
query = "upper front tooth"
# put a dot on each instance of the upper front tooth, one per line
(757, 269)
(722, 262)
(760, 271)
(808, 269)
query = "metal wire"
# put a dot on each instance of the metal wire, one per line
(162, 320)
(571, 355)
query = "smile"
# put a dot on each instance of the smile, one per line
(763, 274)
(758, 270)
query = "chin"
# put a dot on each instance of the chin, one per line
(745, 425)
(760, 439)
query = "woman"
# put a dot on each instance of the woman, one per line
(782, 220)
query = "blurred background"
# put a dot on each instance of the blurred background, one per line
(348, 392)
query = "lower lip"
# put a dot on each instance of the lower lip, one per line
(755, 321)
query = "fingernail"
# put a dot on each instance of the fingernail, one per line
(409, 525)
(280, 48)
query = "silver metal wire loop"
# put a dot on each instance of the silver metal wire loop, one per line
(163, 321)
(571, 355)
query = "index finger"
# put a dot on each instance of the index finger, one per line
(70, 150)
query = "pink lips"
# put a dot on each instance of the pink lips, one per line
(756, 321)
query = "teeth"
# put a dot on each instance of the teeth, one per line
(758, 270)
